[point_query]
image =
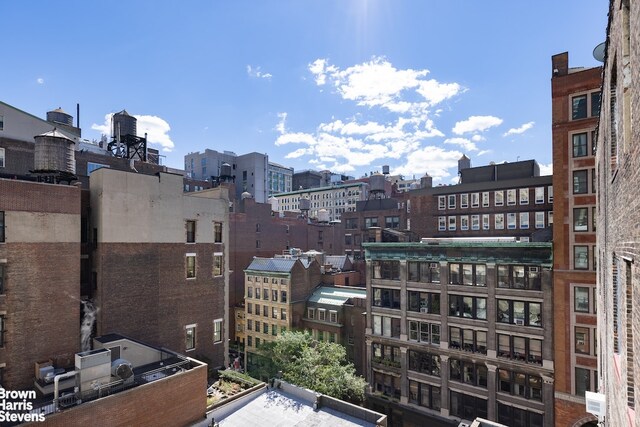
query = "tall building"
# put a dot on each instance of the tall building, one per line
(252, 172)
(618, 216)
(575, 111)
(460, 330)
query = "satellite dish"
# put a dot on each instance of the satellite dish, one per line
(598, 52)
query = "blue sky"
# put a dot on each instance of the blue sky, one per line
(345, 85)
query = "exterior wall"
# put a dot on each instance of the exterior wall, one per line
(571, 321)
(392, 374)
(618, 164)
(335, 199)
(141, 261)
(22, 126)
(177, 400)
(41, 259)
(279, 179)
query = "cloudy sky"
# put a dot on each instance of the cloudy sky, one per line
(345, 85)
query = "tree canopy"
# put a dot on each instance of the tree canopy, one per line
(317, 365)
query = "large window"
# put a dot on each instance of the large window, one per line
(386, 354)
(580, 144)
(519, 277)
(424, 395)
(386, 326)
(468, 307)
(580, 219)
(425, 363)
(371, 222)
(468, 340)
(389, 385)
(351, 223)
(424, 332)
(520, 348)
(190, 342)
(580, 181)
(467, 407)
(217, 330)
(423, 272)
(468, 274)
(512, 416)
(468, 373)
(389, 270)
(520, 384)
(423, 302)
(524, 313)
(387, 298)
(392, 222)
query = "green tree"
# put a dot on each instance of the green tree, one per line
(316, 365)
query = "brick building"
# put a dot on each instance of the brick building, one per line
(618, 179)
(39, 278)
(161, 262)
(460, 330)
(575, 110)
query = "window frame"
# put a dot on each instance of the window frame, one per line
(190, 340)
(581, 181)
(190, 226)
(581, 219)
(217, 331)
(217, 232)
(580, 144)
(191, 270)
(218, 264)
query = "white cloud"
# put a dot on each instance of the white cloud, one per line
(478, 138)
(157, 130)
(483, 152)
(522, 129)
(295, 138)
(281, 126)
(257, 73)
(476, 124)
(433, 160)
(546, 169)
(40, 80)
(466, 144)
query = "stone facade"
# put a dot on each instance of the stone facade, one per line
(618, 168)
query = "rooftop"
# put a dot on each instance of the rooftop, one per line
(336, 296)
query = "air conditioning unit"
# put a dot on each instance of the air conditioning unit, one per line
(424, 310)
(434, 265)
(596, 403)
(534, 269)
(519, 322)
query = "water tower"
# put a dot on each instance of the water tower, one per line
(376, 186)
(54, 157)
(125, 141)
(426, 181)
(60, 116)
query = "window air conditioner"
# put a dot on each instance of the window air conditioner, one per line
(424, 310)
(519, 322)
(533, 269)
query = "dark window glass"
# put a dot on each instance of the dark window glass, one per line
(595, 104)
(579, 107)
(580, 145)
(580, 182)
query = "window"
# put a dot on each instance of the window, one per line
(498, 198)
(283, 296)
(540, 219)
(581, 257)
(511, 221)
(511, 197)
(322, 314)
(425, 395)
(311, 313)
(520, 348)
(258, 244)
(388, 385)
(475, 200)
(485, 222)
(580, 178)
(191, 231)
(190, 343)
(452, 201)
(442, 223)
(539, 193)
(249, 292)
(217, 264)
(523, 313)
(1, 122)
(511, 416)
(520, 384)
(581, 219)
(524, 220)
(265, 294)
(475, 222)
(468, 373)
(468, 274)
(249, 325)
(2, 226)
(217, 330)
(582, 342)
(425, 363)
(371, 222)
(265, 328)
(265, 310)
(191, 266)
(468, 340)
(519, 277)
(550, 217)
(485, 199)
(387, 298)
(389, 270)
(595, 104)
(351, 223)
(386, 354)
(468, 307)
(422, 302)
(257, 312)
(452, 223)
(386, 326)
(423, 272)
(464, 200)
(275, 312)
(524, 196)
(583, 381)
(217, 232)
(579, 107)
(283, 314)
(442, 203)
(499, 221)
(392, 222)
(333, 316)
(579, 144)
(464, 222)
(428, 333)
(550, 193)
(466, 406)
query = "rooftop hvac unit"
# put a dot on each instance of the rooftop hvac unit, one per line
(121, 368)
(93, 368)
